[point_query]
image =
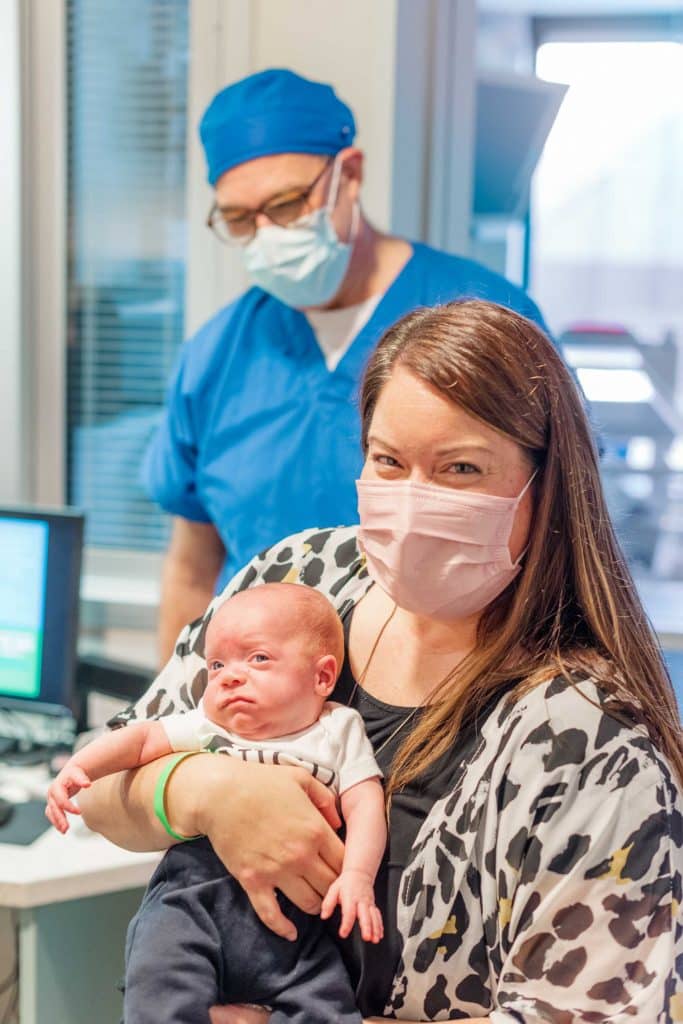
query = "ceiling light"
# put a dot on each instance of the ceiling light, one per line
(616, 385)
(623, 357)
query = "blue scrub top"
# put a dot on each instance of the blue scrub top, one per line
(259, 437)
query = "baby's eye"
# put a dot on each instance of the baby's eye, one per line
(214, 666)
(260, 658)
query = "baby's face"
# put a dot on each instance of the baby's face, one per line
(264, 680)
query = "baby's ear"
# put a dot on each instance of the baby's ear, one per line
(325, 675)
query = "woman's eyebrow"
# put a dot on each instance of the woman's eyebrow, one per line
(374, 439)
(465, 446)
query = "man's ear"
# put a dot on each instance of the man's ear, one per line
(325, 675)
(352, 159)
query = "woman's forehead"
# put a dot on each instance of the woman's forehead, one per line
(419, 421)
(409, 408)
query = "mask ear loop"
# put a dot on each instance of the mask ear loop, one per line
(521, 494)
(527, 485)
(331, 203)
(334, 187)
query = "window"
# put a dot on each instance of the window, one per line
(607, 266)
(127, 64)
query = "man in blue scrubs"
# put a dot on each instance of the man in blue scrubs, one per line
(261, 435)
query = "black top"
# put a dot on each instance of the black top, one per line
(372, 967)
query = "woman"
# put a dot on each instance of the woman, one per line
(511, 687)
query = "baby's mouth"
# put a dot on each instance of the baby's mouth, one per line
(233, 700)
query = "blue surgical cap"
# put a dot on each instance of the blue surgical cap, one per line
(270, 112)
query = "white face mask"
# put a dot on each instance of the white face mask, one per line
(434, 550)
(303, 265)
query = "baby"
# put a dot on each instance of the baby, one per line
(273, 654)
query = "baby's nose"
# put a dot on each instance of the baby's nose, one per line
(234, 677)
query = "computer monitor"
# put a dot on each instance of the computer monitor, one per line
(40, 559)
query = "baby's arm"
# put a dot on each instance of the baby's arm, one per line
(116, 751)
(366, 836)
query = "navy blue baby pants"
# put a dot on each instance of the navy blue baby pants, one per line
(196, 942)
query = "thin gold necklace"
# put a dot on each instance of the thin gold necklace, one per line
(361, 679)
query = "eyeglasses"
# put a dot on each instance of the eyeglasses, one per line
(237, 227)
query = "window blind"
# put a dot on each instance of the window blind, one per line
(126, 167)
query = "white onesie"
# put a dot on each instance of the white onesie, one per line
(335, 749)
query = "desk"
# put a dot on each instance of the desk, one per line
(73, 896)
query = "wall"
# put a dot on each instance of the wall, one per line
(505, 42)
(12, 475)
(407, 70)
(350, 45)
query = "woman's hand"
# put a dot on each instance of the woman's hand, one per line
(272, 826)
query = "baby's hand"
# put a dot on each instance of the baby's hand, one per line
(67, 784)
(354, 892)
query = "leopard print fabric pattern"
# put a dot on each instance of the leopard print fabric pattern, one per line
(546, 888)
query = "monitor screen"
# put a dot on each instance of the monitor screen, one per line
(40, 552)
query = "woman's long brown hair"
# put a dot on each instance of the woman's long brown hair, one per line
(574, 607)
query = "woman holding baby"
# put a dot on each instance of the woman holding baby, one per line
(511, 688)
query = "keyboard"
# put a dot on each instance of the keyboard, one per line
(31, 728)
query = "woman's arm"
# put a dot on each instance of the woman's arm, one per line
(272, 826)
(120, 806)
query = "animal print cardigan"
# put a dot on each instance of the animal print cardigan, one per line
(547, 886)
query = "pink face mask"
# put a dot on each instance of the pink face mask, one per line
(436, 551)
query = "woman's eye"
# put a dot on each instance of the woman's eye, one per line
(462, 467)
(385, 460)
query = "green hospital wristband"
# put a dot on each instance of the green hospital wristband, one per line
(160, 794)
